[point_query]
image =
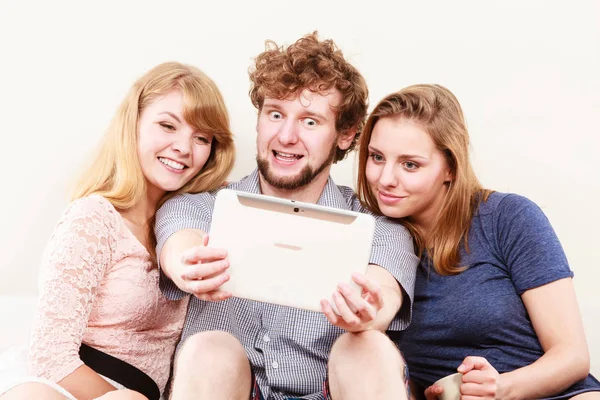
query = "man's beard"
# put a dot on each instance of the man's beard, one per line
(303, 178)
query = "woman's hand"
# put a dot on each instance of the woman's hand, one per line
(433, 392)
(480, 379)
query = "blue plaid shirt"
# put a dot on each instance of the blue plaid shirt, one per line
(288, 348)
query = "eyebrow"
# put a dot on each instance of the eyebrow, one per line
(175, 117)
(311, 114)
(401, 156)
(317, 115)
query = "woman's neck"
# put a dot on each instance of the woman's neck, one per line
(423, 224)
(426, 220)
(141, 214)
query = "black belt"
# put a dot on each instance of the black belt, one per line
(119, 371)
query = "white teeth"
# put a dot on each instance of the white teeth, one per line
(287, 156)
(171, 163)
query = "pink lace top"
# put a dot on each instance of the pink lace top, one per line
(99, 286)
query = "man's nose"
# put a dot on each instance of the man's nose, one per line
(288, 132)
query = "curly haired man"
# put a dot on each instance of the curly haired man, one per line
(311, 107)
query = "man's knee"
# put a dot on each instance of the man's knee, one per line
(212, 347)
(210, 342)
(209, 363)
(372, 347)
(367, 355)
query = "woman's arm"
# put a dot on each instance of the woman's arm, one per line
(555, 316)
(540, 274)
(75, 262)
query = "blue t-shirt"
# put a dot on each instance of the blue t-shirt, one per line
(479, 312)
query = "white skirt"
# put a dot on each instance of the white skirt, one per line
(13, 372)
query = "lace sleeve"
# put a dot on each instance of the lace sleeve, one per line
(73, 266)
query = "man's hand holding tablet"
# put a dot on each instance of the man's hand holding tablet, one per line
(204, 272)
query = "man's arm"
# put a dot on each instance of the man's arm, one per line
(374, 308)
(393, 254)
(186, 262)
(391, 293)
(170, 257)
(194, 267)
(388, 285)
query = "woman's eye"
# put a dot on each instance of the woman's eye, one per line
(309, 122)
(167, 126)
(202, 139)
(410, 166)
(275, 115)
(376, 157)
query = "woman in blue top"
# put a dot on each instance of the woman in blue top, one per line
(494, 297)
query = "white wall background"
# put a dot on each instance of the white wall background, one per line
(526, 72)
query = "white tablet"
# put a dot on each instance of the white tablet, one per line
(288, 253)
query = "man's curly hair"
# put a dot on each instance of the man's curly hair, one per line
(281, 72)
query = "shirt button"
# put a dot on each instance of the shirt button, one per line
(275, 364)
(266, 338)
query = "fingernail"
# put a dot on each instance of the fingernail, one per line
(462, 367)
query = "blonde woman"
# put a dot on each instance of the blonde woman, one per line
(102, 323)
(494, 298)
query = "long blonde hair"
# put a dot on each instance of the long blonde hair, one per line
(438, 112)
(115, 172)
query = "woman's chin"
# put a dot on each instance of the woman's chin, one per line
(391, 211)
(170, 186)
